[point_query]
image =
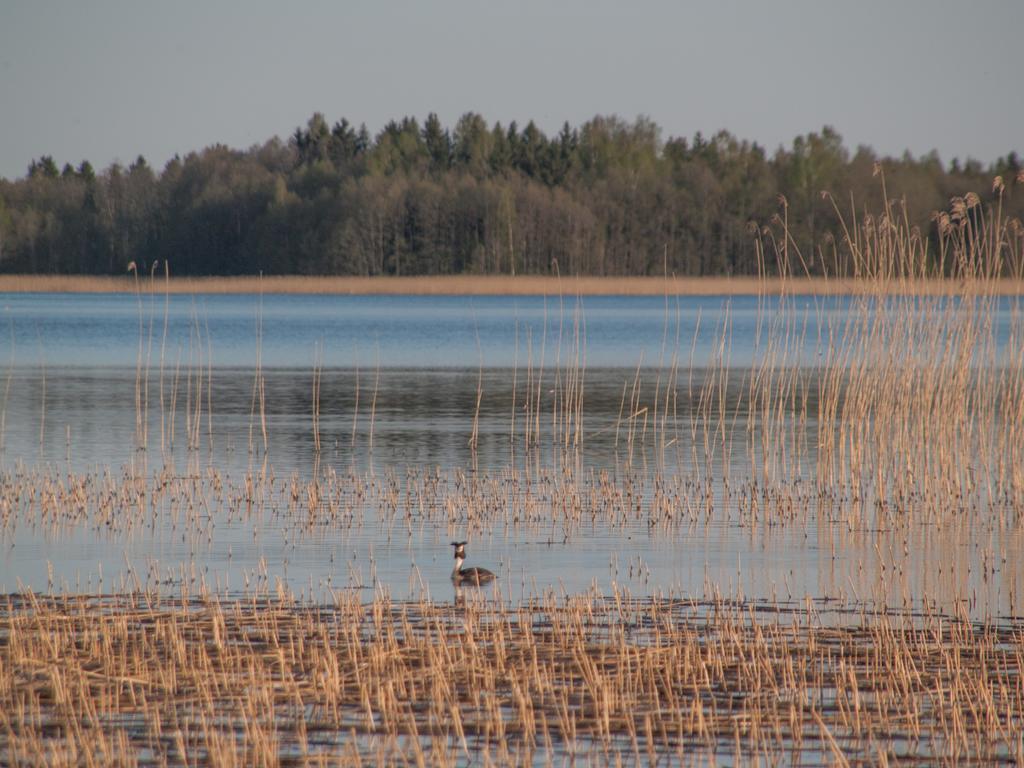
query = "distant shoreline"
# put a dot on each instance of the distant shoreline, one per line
(492, 285)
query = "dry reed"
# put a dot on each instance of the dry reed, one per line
(494, 285)
(265, 679)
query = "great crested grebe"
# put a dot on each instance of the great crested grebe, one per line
(474, 576)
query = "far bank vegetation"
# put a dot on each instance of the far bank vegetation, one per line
(607, 198)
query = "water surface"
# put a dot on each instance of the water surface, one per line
(439, 418)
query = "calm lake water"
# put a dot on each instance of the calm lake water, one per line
(103, 330)
(425, 409)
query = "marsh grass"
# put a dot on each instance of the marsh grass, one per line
(497, 285)
(264, 679)
(318, 364)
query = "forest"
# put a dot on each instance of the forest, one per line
(609, 197)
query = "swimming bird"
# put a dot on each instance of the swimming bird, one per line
(474, 576)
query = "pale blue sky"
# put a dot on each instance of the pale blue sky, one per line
(108, 80)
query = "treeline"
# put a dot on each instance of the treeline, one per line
(610, 197)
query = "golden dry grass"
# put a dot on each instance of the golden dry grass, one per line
(266, 680)
(492, 285)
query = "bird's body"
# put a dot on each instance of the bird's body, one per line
(471, 576)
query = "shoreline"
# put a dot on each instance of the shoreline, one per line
(500, 285)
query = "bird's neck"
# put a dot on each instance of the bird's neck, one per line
(458, 566)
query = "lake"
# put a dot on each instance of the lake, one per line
(646, 444)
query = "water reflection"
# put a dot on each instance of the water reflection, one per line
(419, 417)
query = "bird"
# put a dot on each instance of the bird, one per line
(473, 576)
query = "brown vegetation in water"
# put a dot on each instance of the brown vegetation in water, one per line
(265, 680)
(494, 285)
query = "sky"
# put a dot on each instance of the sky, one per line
(109, 80)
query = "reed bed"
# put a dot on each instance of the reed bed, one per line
(484, 285)
(864, 555)
(265, 680)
